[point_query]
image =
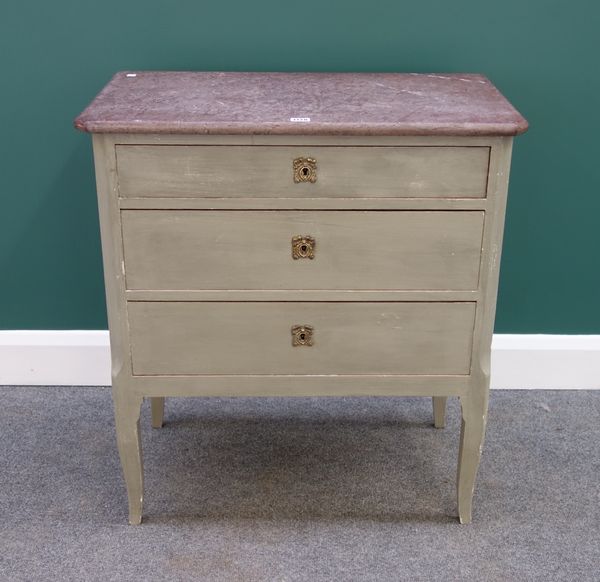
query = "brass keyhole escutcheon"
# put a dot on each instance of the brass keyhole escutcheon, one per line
(302, 335)
(303, 247)
(305, 170)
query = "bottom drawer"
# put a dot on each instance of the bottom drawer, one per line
(345, 338)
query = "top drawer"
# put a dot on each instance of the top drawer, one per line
(182, 171)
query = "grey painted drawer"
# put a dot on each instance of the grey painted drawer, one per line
(205, 338)
(182, 171)
(187, 249)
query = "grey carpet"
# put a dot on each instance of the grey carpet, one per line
(343, 489)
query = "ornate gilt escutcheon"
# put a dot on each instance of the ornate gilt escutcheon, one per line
(302, 335)
(305, 170)
(303, 247)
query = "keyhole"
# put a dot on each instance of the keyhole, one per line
(302, 336)
(305, 171)
(303, 248)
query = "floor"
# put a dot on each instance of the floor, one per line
(343, 489)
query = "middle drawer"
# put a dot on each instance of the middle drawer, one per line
(279, 250)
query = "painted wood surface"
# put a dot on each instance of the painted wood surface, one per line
(307, 203)
(474, 404)
(471, 383)
(157, 407)
(439, 411)
(189, 338)
(126, 402)
(179, 250)
(267, 172)
(311, 385)
(300, 295)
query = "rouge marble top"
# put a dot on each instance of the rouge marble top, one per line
(301, 103)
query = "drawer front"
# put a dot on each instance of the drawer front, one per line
(206, 249)
(268, 172)
(348, 338)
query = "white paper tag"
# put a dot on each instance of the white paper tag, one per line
(300, 119)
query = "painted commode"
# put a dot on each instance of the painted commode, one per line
(301, 234)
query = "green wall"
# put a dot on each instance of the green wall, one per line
(55, 56)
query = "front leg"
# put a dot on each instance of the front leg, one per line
(439, 411)
(474, 416)
(127, 422)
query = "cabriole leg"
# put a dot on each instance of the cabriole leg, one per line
(474, 416)
(127, 422)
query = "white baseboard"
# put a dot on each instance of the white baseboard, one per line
(55, 358)
(82, 358)
(546, 361)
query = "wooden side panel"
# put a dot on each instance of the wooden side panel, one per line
(267, 172)
(204, 338)
(179, 250)
(474, 403)
(126, 402)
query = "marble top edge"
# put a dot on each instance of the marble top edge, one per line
(301, 104)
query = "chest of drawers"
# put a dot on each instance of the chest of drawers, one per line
(272, 234)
